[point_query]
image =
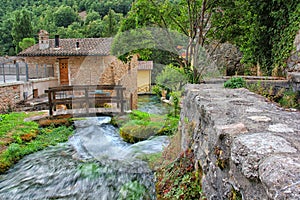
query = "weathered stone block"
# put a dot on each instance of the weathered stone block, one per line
(280, 175)
(248, 150)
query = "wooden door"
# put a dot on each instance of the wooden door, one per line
(64, 72)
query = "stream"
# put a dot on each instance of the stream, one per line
(95, 163)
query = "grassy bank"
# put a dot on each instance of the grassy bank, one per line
(19, 138)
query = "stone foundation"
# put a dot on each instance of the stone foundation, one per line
(246, 146)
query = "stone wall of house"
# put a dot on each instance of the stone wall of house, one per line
(10, 95)
(13, 93)
(247, 147)
(124, 74)
(98, 70)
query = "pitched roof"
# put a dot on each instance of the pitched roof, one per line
(67, 47)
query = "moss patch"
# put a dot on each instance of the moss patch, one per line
(139, 126)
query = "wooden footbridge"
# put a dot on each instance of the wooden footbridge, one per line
(86, 99)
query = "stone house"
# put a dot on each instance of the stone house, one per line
(84, 61)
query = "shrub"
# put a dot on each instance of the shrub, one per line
(235, 82)
(289, 100)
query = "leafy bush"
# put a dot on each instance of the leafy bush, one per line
(172, 78)
(235, 82)
(156, 90)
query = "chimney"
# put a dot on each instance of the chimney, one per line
(77, 45)
(56, 45)
(43, 40)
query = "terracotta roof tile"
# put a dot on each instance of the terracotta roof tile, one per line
(67, 47)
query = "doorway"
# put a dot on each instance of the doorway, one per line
(64, 71)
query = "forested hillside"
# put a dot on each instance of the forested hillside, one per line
(263, 30)
(68, 18)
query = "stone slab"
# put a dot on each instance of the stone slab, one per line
(280, 175)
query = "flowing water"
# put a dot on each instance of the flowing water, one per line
(152, 104)
(94, 164)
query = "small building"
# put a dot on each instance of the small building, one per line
(84, 61)
(144, 76)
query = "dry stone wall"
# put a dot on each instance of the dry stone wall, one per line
(10, 94)
(247, 147)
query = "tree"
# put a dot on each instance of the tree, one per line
(92, 16)
(21, 27)
(189, 18)
(26, 42)
(111, 22)
(6, 39)
(64, 16)
(94, 29)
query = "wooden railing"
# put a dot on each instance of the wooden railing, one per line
(85, 96)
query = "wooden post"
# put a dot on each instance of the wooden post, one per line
(50, 103)
(54, 97)
(131, 101)
(118, 97)
(121, 100)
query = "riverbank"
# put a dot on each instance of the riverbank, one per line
(20, 137)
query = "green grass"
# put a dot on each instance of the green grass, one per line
(14, 123)
(19, 138)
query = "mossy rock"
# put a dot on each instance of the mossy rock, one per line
(139, 126)
(137, 133)
(119, 120)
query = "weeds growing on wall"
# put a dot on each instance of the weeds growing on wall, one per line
(178, 175)
(180, 179)
(235, 82)
(286, 98)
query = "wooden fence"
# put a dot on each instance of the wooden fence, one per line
(86, 97)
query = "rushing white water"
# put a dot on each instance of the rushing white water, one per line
(94, 164)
